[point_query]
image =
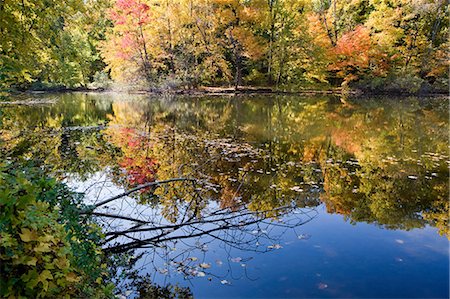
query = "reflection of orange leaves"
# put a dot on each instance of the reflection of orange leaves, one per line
(312, 151)
(345, 140)
(228, 198)
(128, 137)
(334, 206)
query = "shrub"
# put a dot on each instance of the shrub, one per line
(46, 248)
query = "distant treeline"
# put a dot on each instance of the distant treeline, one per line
(371, 44)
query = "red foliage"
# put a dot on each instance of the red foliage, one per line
(132, 10)
(138, 167)
(129, 16)
(139, 172)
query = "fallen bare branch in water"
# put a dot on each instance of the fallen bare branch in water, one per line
(195, 220)
(140, 187)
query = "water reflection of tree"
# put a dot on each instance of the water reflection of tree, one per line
(364, 160)
(196, 220)
(382, 163)
(62, 137)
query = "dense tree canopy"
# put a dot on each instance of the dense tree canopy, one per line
(177, 43)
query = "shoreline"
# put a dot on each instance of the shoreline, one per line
(242, 90)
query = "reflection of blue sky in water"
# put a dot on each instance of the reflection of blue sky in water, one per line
(327, 257)
(342, 260)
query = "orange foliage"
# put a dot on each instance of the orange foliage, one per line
(352, 54)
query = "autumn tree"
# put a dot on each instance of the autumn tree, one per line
(126, 50)
(49, 42)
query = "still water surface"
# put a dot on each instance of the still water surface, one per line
(365, 180)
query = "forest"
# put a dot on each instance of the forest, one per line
(172, 148)
(373, 45)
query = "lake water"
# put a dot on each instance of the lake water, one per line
(350, 196)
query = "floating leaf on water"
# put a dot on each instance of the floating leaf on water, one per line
(236, 259)
(272, 186)
(260, 171)
(398, 259)
(219, 262)
(275, 246)
(201, 274)
(193, 258)
(255, 232)
(296, 189)
(322, 286)
(304, 237)
(163, 271)
(412, 177)
(205, 265)
(243, 265)
(399, 241)
(434, 174)
(225, 282)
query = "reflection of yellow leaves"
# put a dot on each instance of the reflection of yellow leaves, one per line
(28, 235)
(54, 122)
